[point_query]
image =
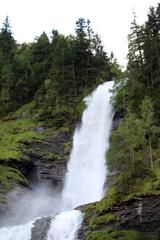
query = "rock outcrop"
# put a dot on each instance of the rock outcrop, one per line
(50, 159)
(40, 228)
(117, 119)
(140, 214)
(44, 162)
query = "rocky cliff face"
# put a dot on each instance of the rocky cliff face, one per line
(44, 162)
(49, 159)
(140, 214)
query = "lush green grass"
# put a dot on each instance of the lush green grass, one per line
(15, 129)
(98, 235)
(9, 175)
(50, 130)
(116, 235)
(25, 109)
(12, 133)
(18, 128)
(97, 221)
(93, 210)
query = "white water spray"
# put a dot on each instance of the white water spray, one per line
(86, 170)
(20, 232)
(65, 225)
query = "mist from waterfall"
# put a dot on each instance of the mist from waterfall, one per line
(87, 164)
(86, 173)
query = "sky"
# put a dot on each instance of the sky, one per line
(109, 18)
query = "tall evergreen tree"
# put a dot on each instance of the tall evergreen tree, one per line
(7, 76)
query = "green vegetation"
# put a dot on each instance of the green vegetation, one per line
(42, 86)
(100, 213)
(98, 221)
(13, 133)
(67, 147)
(53, 156)
(116, 235)
(134, 153)
(43, 83)
(52, 74)
(133, 159)
(8, 176)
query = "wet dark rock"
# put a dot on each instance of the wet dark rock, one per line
(3, 208)
(82, 232)
(43, 162)
(24, 165)
(49, 159)
(3, 203)
(117, 119)
(40, 228)
(141, 214)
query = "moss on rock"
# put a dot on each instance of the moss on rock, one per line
(9, 176)
(13, 133)
(116, 235)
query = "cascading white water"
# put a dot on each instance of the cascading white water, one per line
(65, 225)
(86, 170)
(20, 232)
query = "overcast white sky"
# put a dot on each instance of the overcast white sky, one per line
(109, 18)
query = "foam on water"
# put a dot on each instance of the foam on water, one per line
(20, 232)
(65, 225)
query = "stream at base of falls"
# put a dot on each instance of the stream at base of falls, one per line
(85, 178)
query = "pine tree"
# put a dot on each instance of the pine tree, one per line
(7, 76)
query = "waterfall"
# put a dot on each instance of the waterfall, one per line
(86, 169)
(86, 173)
(20, 232)
(65, 225)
